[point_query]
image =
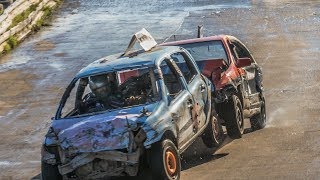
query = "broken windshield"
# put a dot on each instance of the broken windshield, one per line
(112, 90)
(208, 50)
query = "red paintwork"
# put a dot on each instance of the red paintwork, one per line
(211, 65)
(212, 69)
(123, 76)
(243, 62)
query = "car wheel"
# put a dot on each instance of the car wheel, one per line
(259, 121)
(213, 134)
(234, 118)
(49, 172)
(165, 161)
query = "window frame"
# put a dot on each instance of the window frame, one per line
(189, 63)
(239, 45)
(177, 73)
(72, 86)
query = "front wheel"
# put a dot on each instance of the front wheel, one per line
(234, 118)
(259, 121)
(165, 161)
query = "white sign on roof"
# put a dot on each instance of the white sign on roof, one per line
(145, 40)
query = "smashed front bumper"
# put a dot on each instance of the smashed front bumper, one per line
(101, 164)
(95, 165)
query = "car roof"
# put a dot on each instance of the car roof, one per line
(195, 40)
(136, 59)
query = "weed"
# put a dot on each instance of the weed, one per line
(12, 41)
(22, 16)
(6, 48)
(47, 11)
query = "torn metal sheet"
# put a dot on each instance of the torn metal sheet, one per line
(100, 132)
(145, 40)
(85, 158)
(110, 142)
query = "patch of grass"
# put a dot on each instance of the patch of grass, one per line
(12, 41)
(47, 12)
(38, 25)
(7, 48)
(58, 1)
(22, 16)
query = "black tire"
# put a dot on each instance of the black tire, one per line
(49, 172)
(259, 121)
(234, 118)
(213, 134)
(164, 154)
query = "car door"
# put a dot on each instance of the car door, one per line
(180, 100)
(196, 86)
(251, 72)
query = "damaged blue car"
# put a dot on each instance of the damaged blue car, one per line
(130, 111)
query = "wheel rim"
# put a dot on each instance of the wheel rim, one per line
(240, 119)
(171, 162)
(215, 127)
(263, 113)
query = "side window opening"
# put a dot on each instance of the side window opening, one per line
(239, 51)
(71, 101)
(185, 65)
(171, 78)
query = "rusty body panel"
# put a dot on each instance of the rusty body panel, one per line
(110, 142)
(210, 66)
(223, 70)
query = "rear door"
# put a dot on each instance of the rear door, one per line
(196, 86)
(240, 51)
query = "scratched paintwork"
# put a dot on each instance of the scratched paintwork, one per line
(102, 132)
(185, 116)
(226, 74)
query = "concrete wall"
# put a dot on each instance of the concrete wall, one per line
(21, 30)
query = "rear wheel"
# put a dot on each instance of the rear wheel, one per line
(234, 118)
(165, 161)
(259, 121)
(213, 134)
(50, 172)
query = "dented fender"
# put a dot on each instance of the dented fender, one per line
(157, 124)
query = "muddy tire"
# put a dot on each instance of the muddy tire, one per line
(234, 119)
(213, 134)
(165, 161)
(259, 121)
(50, 172)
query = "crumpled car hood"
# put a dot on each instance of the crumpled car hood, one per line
(101, 132)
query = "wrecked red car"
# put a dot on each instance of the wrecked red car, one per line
(127, 110)
(228, 63)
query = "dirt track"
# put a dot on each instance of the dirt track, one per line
(283, 37)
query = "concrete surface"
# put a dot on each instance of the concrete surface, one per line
(282, 35)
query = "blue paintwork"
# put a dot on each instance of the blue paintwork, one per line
(105, 131)
(96, 133)
(117, 63)
(109, 130)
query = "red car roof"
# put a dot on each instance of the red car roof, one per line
(188, 41)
